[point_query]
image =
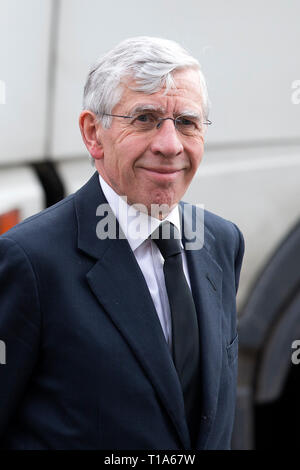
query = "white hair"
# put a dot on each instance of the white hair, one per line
(149, 61)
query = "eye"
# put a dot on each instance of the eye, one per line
(185, 122)
(146, 117)
(144, 122)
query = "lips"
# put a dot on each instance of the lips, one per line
(163, 170)
(162, 175)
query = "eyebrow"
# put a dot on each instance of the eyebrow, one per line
(190, 113)
(140, 108)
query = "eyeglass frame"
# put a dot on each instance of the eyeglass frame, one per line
(207, 122)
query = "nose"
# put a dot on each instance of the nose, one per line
(166, 140)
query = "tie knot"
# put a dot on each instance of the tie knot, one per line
(167, 238)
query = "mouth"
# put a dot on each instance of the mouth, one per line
(162, 173)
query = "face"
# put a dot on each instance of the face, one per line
(154, 166)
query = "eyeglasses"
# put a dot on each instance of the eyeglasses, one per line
(186, 125)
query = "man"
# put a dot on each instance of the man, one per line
(122, 335)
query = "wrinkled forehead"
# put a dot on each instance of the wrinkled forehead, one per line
(185, 95)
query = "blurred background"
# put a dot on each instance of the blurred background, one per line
(249, 52)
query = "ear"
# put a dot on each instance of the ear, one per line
(89, 125)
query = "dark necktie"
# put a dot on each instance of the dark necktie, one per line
(185, 333)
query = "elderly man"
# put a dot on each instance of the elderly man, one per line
(122, 335)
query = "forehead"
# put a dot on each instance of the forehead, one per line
(186, 95)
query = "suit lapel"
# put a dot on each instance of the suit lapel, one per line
(124, 295)
(206, 283)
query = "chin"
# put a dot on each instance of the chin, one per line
(166, 203)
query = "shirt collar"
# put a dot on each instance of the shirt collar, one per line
(136, 225)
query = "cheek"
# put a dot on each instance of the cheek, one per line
(196, 156)
(124, 168)
(130, 154)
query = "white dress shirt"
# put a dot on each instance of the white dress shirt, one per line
(146, 252)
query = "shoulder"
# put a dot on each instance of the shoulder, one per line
(223, 240)
(220, 231)
(229, 241)
(224, 231)
(43, 229)
(228, 246)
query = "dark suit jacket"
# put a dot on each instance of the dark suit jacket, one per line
(87, 364)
